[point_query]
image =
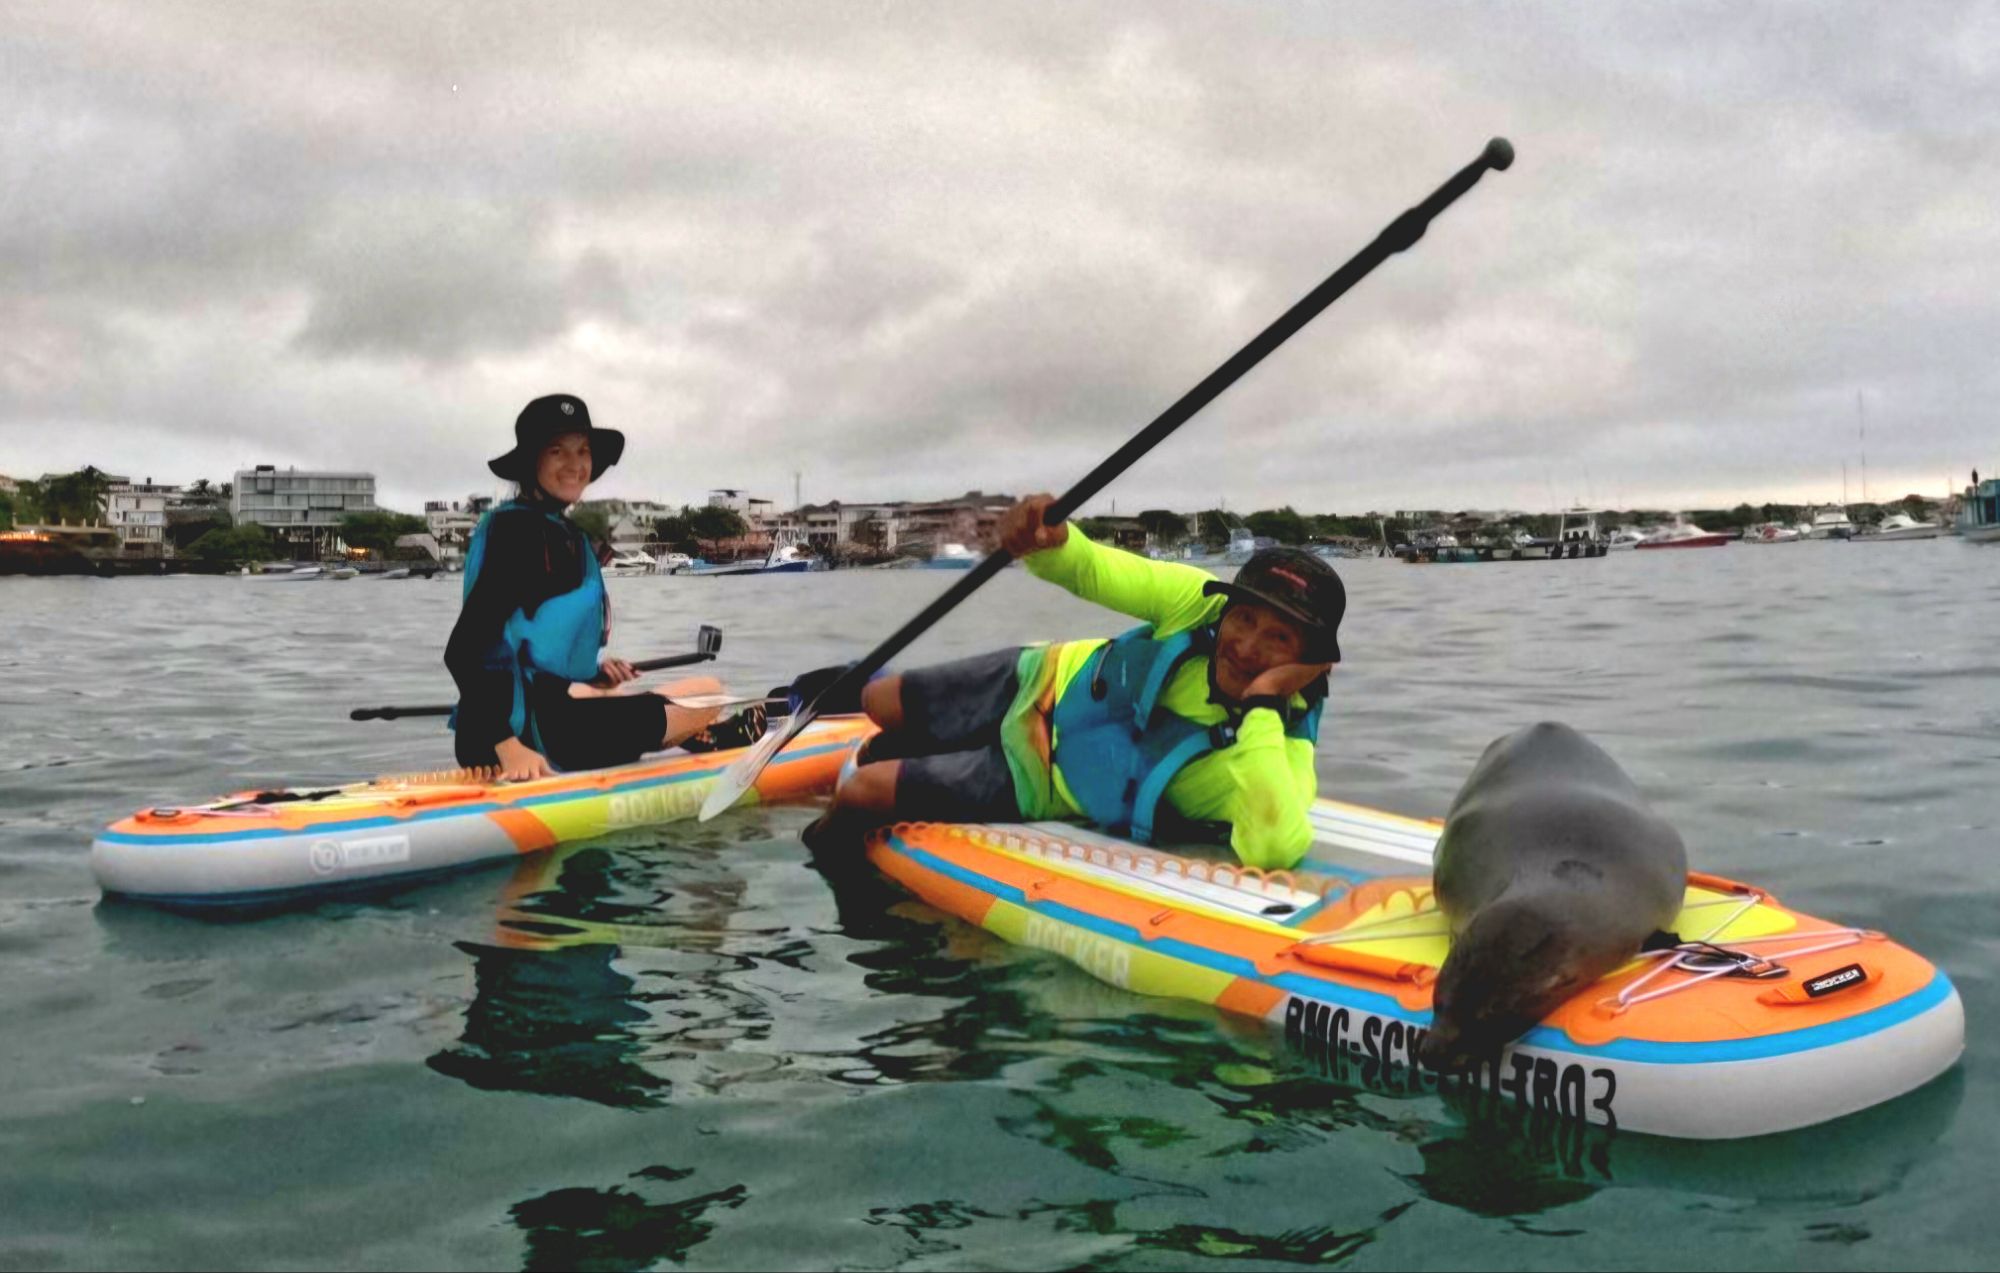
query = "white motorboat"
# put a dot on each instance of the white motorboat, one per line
(952, 557)
(1830, 523)
(1626, 537)
(630, 562)
(1772, 533)
(1898, 526)
(1684, 534)
(1242, 546)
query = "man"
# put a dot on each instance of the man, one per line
(1199, 725)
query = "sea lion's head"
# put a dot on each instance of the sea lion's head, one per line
(1509, 969)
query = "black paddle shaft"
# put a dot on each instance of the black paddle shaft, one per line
(708, 643)
(1400, 234)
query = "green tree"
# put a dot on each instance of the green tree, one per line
(1215, 527)
(232, 546)
(1165, 526)
(1097, 529)
(377, 531)
(1282, 524)
(78, 498)
(592, 521)
(28, 501)
(673, 531)
(1917, 507)
(203, 493)
(712, 521)
(6, 511)
(186, 526)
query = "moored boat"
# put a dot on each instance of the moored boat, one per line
(631, 562)
(1684, 535)
(1830, 523)
(1979, 511)
(1897, 526)
(1771, 533)
(1577, 535)
(952, 557)
(787, 557)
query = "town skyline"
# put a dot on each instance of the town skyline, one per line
(1880, 490)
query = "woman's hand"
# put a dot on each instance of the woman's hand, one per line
(1284, 681)
(1021, 529)
(612, 673)
(520, 762)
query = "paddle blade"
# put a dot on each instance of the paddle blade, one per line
(741, 776)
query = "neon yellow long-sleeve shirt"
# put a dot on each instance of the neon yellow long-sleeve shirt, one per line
(1262, 786)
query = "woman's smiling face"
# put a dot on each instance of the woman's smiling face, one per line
(564, 467)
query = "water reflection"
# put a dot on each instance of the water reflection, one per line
(553, 1010)
(558, 1022)
(620, 1228)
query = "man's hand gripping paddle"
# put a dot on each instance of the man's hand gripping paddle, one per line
(1400, 234)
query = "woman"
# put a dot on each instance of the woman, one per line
(534, 695)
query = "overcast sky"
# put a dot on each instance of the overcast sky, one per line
(911, 250)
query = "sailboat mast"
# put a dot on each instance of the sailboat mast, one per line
(1861, 413)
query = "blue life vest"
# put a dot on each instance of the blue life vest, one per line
(1119, 749)
(563, 637)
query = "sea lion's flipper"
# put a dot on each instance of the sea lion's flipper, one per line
(1660, 940)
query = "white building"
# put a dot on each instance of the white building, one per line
(304, 509)
(451, 523)
(758, 514)
(878, 525)
(138, 512)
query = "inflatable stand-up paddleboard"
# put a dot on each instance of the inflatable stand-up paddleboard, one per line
(264, 848)
(1764, 1019)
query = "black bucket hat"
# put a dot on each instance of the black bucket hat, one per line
(1299, 586)
(548, 418)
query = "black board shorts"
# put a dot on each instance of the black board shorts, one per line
(587, 733)
(953, 766)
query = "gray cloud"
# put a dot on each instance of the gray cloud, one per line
(918, 249)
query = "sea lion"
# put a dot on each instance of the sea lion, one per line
(1552, 872)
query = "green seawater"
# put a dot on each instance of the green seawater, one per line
(693, 1047)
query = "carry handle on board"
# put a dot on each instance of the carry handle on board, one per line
(1397, 236)
(707, 644)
